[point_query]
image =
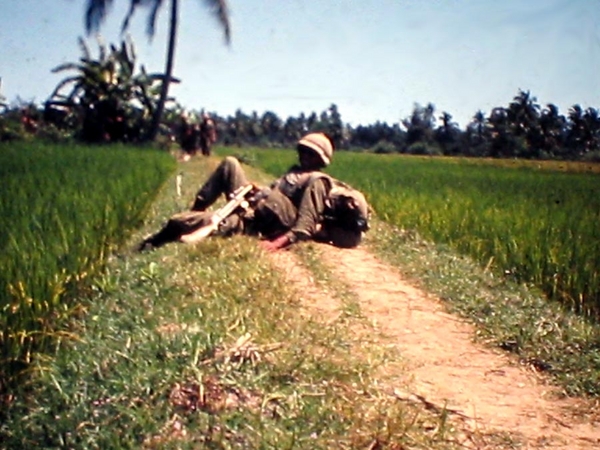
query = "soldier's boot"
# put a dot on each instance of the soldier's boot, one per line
(164, 236)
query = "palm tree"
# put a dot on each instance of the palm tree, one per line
(447, 134)
(591, 118)
(501, 138)
(523, 112)
(97, 11)
(420, 125)
(478, 124)
(552, 125)
(523, 115)
(576, 130)
(335, 129)
(272, 127)
(292, 130)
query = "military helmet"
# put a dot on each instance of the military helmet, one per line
(320, 143)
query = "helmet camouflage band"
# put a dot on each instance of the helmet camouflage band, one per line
(320, 144)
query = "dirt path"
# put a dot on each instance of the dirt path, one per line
(444, 364)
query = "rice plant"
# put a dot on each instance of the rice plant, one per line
(63, 210)
(537, 222)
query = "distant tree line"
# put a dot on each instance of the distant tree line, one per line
(523, 129)
(107, 100)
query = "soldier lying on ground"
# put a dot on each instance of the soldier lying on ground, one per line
(303, 204)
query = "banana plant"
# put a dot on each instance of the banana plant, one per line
(112, 100)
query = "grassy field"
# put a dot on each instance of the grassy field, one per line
(510, 310)
(536, 222)
(63, 210)
(207, 347)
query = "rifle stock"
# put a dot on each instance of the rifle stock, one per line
(238, 197)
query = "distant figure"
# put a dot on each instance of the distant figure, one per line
(208, 134)
(188, 135)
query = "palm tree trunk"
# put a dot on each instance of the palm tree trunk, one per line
(164, 91)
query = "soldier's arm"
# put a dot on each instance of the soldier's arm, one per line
(310, 213)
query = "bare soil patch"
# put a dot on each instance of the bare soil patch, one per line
(485, 388)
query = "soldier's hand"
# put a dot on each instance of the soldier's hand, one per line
(276, 244)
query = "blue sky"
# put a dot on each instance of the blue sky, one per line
(373, 58)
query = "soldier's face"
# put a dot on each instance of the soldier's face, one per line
(309, 159)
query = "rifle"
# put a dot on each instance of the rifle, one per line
(237, 200)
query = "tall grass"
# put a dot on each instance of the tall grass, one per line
(63, 209)
(531, 223)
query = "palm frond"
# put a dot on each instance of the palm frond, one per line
(130, 48)
(66, 66)
(132, 7)
(127, 62)
(95, 14)
(84, 48)
(151, 28)
(101, 48)
(220, 10)
(59, 102)
(161, 77)
(62, 84)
